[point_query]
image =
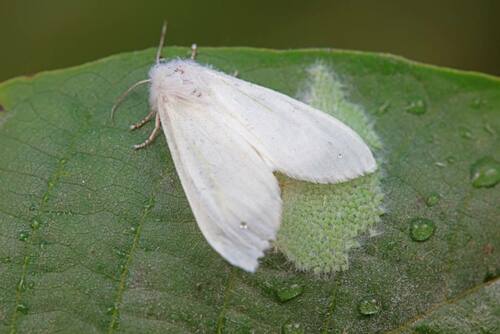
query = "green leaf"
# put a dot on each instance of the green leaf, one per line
(96, 237)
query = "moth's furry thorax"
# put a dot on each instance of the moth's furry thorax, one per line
(177, 81)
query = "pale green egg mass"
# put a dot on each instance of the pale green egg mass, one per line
(321, 223)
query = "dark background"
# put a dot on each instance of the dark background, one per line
(46, 34)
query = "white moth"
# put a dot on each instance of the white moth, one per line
(227, 137)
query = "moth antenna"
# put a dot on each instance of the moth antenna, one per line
(162, 41)
(124, 95)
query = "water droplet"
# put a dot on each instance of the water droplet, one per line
(451, 159)
(417, 107)
(33, 207)
(485, 172)
(23, 236)
(339, 156)
(29, 258)
(243, 225)
(120, 253)
(292, 328)
(288, 292)
(432, 199)
(421, 229)
(491, 274)
(7, 259)
(488, 128)
(384, 108)
(22, 308)
(31, 285)
(133, 229)
(21, 285)
(440, 164)
(369, 306)
(43, 243)
(465, 133)
(111, 309)
(477, 103)
(35, 224)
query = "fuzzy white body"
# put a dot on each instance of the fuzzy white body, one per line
(227, 137)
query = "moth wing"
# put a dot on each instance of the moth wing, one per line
(233, 193)
(295, 138)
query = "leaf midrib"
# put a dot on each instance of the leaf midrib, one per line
(436, 307)
(125, 271)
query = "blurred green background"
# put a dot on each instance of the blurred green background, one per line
(40, 35)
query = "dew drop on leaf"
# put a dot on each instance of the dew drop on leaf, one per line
(120, 253)
(369, 306)
(451, 159)
(477, 103)
(43, 243)
(488, 128)
(21, 285)
(23, 236)
(421, 229)
(417, 107)
(384, 108)
(35, 224)
(116, 323)
(465, 133)
(432, 199)
(491, 274)
(440, 164)
(292, 328)
(288, 292)
(485, 172)
(22, 308)
(111, 309)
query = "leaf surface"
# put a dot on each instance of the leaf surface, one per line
(96, 237)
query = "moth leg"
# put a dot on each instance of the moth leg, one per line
(194, 51)
(143, 121)
(153, 135)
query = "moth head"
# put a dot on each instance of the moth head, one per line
(177, 81)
